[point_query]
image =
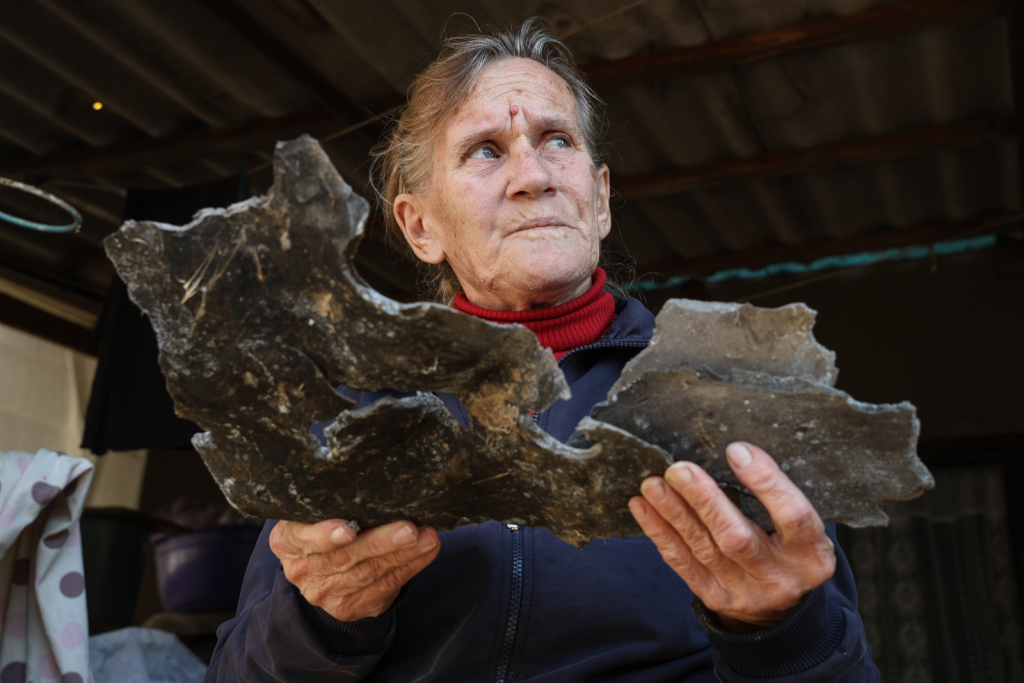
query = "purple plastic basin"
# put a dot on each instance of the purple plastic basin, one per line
(204, 570)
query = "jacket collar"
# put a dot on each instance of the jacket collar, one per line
(633, 322)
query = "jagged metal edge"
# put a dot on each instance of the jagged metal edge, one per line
(444, 475)
(716, 464)
(674, 314)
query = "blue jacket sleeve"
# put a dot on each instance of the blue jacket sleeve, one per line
(823, 640)
(278, 636)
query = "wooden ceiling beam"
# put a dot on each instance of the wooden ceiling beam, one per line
(806, 252)
(815, 159)
(209, 142)
(22, 316)
(52, 281)
(871, 25)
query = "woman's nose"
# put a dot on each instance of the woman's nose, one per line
(528, 174)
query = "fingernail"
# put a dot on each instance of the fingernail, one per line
(739, 455)
(655, 491)
(342, 535)
(638, 509)
(426, 539)
(404, 536)
(680, 474)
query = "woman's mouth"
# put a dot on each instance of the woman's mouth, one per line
(543, 223)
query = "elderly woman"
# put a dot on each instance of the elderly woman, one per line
(493, 176)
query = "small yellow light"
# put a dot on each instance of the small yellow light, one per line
(97, 105)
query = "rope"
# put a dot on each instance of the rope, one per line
(75, 225)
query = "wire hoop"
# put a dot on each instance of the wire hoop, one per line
(75, 225)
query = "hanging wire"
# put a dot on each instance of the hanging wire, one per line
(74, 226)
(605, 17)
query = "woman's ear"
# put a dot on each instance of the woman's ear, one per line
(410, 216)
(604, 211)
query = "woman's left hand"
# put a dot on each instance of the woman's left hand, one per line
(749, 578)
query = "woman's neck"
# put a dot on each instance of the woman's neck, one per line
(572, 324)
(526, 300)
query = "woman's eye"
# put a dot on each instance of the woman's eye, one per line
(484, 153)
(557, 143)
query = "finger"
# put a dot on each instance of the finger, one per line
(674, 509)
(378, 596)
(387, 539)
(674, 550)
(401, 574)
(303, 540)
(723, 525)
(372, 569)
(796, 520)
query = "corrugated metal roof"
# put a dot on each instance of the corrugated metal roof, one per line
(165, 66)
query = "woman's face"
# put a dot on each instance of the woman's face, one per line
(515, 203)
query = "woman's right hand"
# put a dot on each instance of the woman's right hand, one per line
(352, 575)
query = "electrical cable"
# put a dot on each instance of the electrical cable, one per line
(74, 226)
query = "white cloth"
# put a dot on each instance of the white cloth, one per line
(143, 655)
(44, 623)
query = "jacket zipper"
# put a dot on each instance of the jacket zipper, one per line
(516, 590)
(515, 599)
(597, 345)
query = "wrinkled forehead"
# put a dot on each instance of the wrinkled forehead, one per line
(542, 95)
(505, 81)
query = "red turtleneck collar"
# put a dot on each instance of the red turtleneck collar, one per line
(579, 322)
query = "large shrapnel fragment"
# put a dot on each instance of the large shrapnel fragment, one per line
(256, 305)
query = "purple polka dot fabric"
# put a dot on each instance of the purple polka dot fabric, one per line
(57, 540)
(43, 493)
(44, 626)
(13, 672)
(72, 584)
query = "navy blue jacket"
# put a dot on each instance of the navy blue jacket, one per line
(517, 604)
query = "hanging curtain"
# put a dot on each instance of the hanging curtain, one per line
(937, 588)
(129, 407)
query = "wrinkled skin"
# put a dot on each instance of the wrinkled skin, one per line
(518, 208)
(352, 575)
(749, 578)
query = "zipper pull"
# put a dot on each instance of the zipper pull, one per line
(512, 527)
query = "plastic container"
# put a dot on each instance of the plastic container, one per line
(203, 571)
